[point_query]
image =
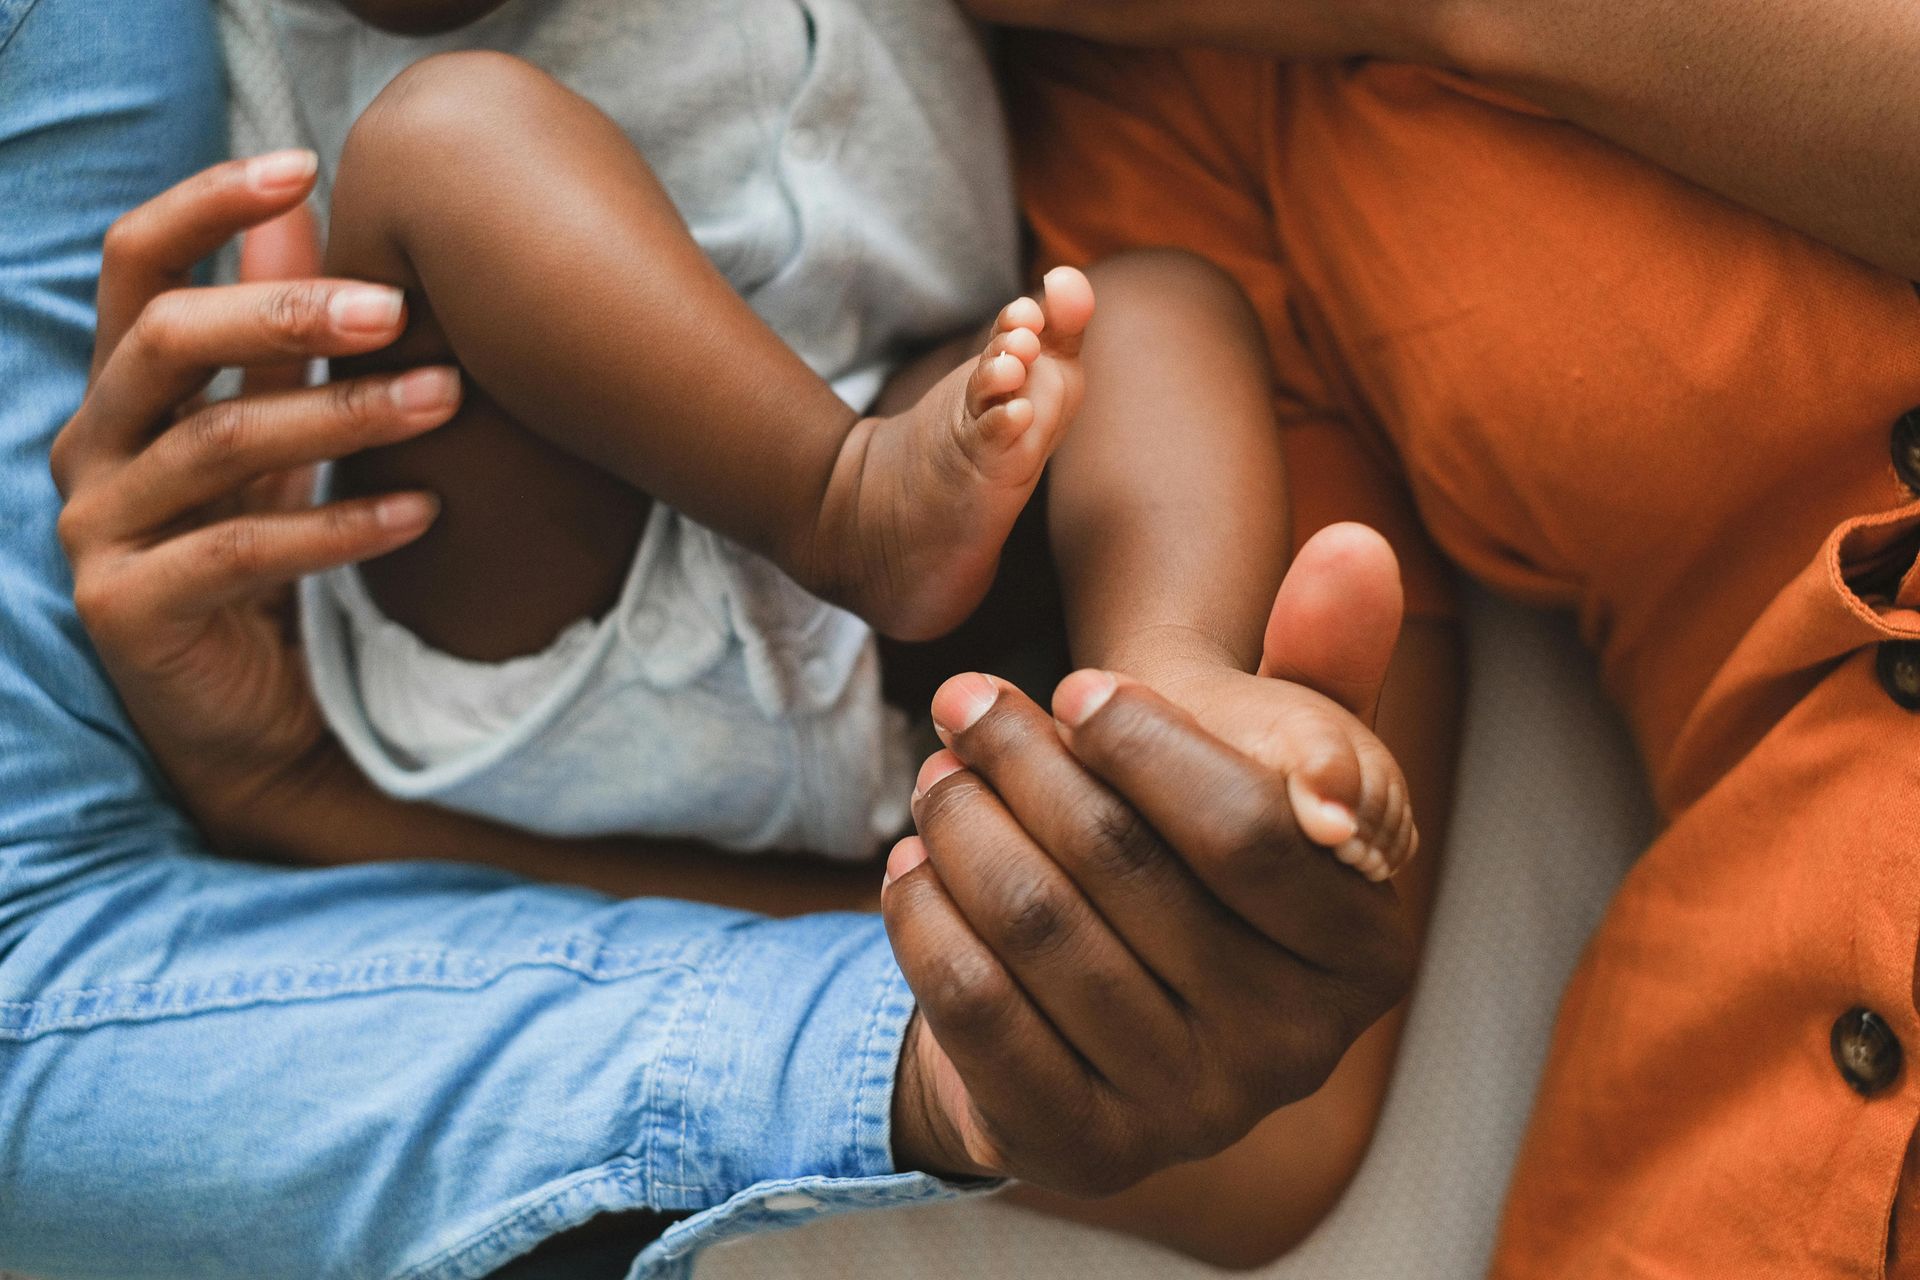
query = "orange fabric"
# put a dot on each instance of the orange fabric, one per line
(1605, 389)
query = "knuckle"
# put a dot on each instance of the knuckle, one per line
(356, 402)
(161, 327)
(1116, 843)
(60, 460)
(96, 601)
(219, 435)
(126, 239)
(966, 994)
(235, 547)
(1037, 921)
(293, 315)
(75, 523)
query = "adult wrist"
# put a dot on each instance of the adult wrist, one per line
(923, 1134)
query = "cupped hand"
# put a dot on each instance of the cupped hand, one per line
(186, 522)
(1125, 951)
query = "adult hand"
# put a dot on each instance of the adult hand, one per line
(181, 523)
(1124, 951)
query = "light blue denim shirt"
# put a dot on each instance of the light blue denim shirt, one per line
(209, 1069)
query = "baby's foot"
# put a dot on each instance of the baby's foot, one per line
(923, 502)
(1329, 639)
(1334, 626)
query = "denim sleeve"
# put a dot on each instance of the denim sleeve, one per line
(209, 1069)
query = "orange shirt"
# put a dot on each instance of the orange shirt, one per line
(1605, 389)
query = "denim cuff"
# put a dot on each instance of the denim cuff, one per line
(801, 1086)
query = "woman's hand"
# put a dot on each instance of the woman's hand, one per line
(186, 522)
(1125, 952)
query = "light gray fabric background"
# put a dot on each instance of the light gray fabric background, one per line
(1550, 812)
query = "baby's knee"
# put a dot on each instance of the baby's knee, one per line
(1166, 277)
(458, 104)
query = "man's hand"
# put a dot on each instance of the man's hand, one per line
(1125, 952)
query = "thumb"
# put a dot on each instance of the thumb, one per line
(1337, 617)
(287, 248)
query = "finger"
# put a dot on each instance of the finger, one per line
(1336, 619)
(153, 248)
(1232, 821)
(189, 577)
(1028, 1089)
(182, 338)
(222, 448)
(1019, 901)
(286, 248)
(1151, 898)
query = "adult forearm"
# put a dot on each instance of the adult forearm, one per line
(1800, 109)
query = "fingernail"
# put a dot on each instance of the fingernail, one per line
(1081, 694)
(280, 171)
(425, 389)
(961, 701)
(365, 309)
(405, 510)
(941, 764)
(905, 856)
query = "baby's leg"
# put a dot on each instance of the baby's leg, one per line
(610, 360)
(1169, 521)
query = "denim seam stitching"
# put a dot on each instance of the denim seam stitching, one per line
(427, 970)
(683, 1182)
(881, 1010)
(658, 1080)
(10, 22)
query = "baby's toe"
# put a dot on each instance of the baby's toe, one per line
(1005, 423)
(1067, 303)
(1021, 313)
(993, 377)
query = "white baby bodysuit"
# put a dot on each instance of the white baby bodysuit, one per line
(844, 163)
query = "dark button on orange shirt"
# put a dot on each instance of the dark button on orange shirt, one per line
(1906, 449)
(1866, 1051)
(1603, 389)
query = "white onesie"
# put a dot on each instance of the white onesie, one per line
(844, 164)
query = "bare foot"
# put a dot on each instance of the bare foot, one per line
(1333, 628)
(1329, 640)
(921, 503)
